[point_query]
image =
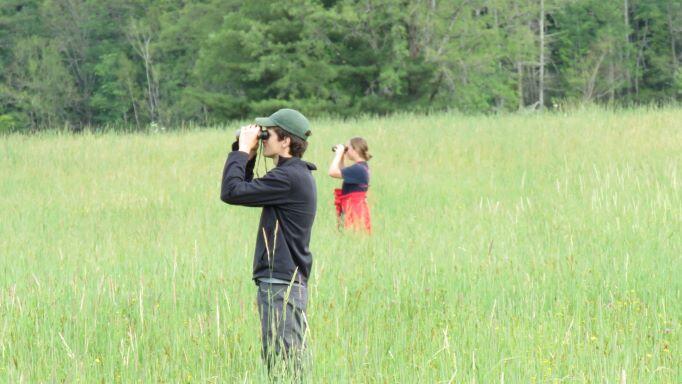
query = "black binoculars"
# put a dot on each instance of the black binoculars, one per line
(262, 135)
(345, 149)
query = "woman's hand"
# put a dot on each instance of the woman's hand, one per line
(337, 164)
(339, 149)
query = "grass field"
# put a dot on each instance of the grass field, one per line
(515, 249)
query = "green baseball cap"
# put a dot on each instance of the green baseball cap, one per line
(289, 120)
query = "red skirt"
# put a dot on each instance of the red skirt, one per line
(352, 211)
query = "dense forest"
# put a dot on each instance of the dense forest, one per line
(132, 63)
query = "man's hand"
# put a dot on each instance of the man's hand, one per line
(248, 139)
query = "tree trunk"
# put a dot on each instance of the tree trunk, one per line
(141, 40)
(612, 80)
(639, 62)
(589, 87)
(626, 49)
(541, 91)
(519, 83)
(147, 69)
(132, 100)
(671, 30)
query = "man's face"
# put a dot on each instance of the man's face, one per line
(273, 146)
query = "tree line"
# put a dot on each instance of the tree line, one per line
(131, 63)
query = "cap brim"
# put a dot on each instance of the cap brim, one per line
(265, 122)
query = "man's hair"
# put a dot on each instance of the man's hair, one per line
(297, 147)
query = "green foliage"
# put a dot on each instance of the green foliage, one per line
(112, 100)
(7, 124)
(42, 86)
(125, 62)
(263, 55)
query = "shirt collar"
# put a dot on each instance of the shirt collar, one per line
(282, 160)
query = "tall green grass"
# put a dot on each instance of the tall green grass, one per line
(515, 249)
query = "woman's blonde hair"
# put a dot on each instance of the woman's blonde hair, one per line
(360, 146)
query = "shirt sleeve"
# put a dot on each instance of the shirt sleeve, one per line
(250, 165)
(355, 174)
(271, 189)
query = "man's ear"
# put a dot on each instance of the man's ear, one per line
(287, 142)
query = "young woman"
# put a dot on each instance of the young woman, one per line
(351, 200)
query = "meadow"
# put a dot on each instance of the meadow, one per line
(540, 248)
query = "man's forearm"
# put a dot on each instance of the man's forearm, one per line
(234, 171)
(250, 164)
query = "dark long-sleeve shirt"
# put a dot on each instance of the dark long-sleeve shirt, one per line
(288, 196)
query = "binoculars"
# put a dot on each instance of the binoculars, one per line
(262, 135)
(345, 149)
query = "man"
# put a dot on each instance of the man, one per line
(288, 196)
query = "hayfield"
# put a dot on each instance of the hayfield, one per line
(515, 249)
